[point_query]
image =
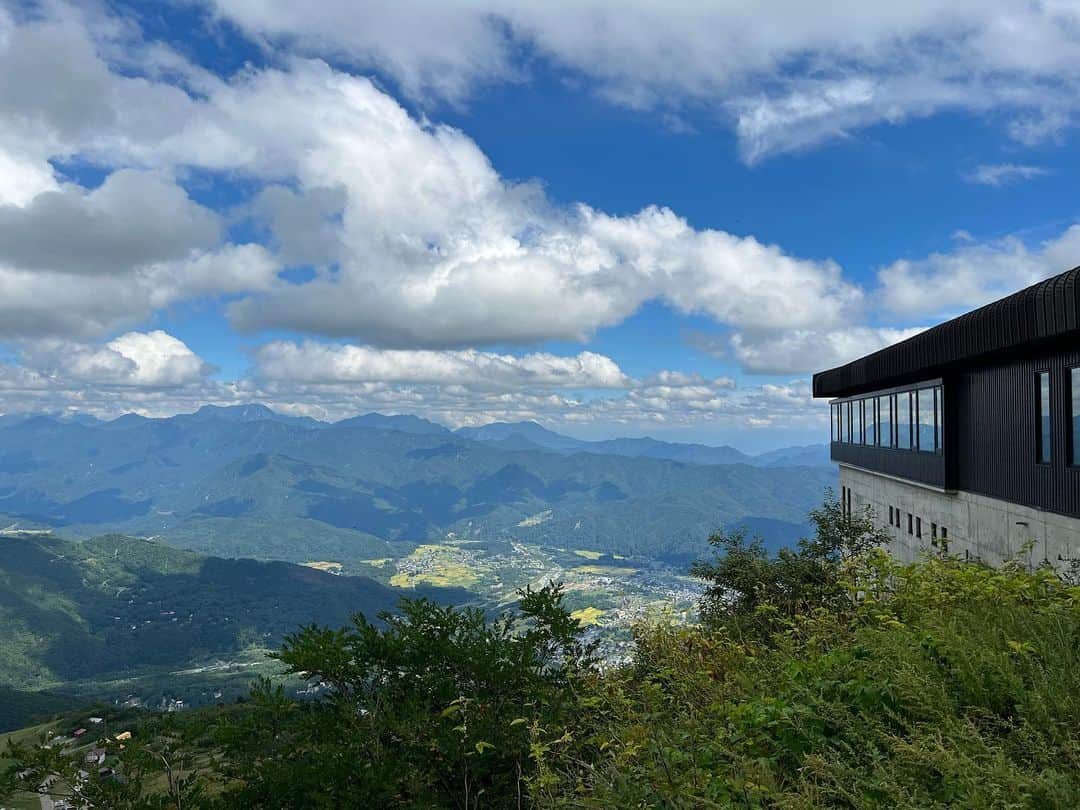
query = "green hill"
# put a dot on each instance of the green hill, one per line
(114, 605)
(254, 484)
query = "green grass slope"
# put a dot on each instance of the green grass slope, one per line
(115, 604)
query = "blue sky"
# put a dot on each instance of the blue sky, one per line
(619, 219)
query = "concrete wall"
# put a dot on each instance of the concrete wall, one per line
(985, 528)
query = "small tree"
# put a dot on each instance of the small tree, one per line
(434, 709)
(752, 593)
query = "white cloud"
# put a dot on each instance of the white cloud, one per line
(946, 284)
(320, 363)
(433, 248)
(132, 219)
(809, 350)
(787, 75)
(1003, 174)
(148, 359)
(40, 303)
(670, 401)
(420, 242)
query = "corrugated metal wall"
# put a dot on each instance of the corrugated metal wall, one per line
(927, 468)
(996, 428)
(1045, 311)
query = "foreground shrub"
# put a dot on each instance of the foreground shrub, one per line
(828, 676)
(946, 684)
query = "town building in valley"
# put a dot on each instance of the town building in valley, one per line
(967, 436)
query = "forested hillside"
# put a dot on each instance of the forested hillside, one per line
(826, 676)
(118, 606)
(249, 482)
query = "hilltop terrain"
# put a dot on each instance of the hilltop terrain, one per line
(79, 614)
(246, 481)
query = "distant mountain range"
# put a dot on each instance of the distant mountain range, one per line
(506, 435)
(245, 481)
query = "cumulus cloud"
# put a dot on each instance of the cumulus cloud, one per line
(415, 247)
(786, 76)
(132, 219)
(973, 274)
(1003, 174)
(150, 359)
(38, 303)
(809, 350)
(417, 240)
(669, 400)
(320, 363)
(426, 245)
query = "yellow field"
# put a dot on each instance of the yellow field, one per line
(587, 616)
(536, 520)
(441, 566)
(319, 565)
(589, 555)
(379, 563)
(605, 570)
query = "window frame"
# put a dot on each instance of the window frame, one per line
(911, 443)
(887, 441)
(917, 421)
(1044, 444)
(939, 419)
(871, 420)
(1073, 434)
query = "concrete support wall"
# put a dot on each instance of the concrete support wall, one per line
(985, 528)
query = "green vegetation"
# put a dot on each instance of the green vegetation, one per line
(115, 607)
(18, 708)
(278, 489)
(829, 676)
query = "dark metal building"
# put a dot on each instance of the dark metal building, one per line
(977, 420)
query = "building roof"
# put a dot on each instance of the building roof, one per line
(1041, 313)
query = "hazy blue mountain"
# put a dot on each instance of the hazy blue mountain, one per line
(249, 413)
(234, 483)
(810, 455)
(530, 435)
(674, 451)
(530, 432)
(404, 423)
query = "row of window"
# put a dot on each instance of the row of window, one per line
(914, 525)
(914, 522)
(1044, 439)
(907, 420)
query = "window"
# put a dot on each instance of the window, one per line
(857, 429)
(903, 421)
(944, 533)
(834, 419)
(939, 418)
(925, 419)
(933, 531)
(1074, 416)
(885, 429)
(918, 527)
(845, 421)
(871, 420)
(890, 516)
(909, 521)
(1043, 444)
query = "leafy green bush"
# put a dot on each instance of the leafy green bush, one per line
(830, 676)
(751, 593)
(946, 684)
